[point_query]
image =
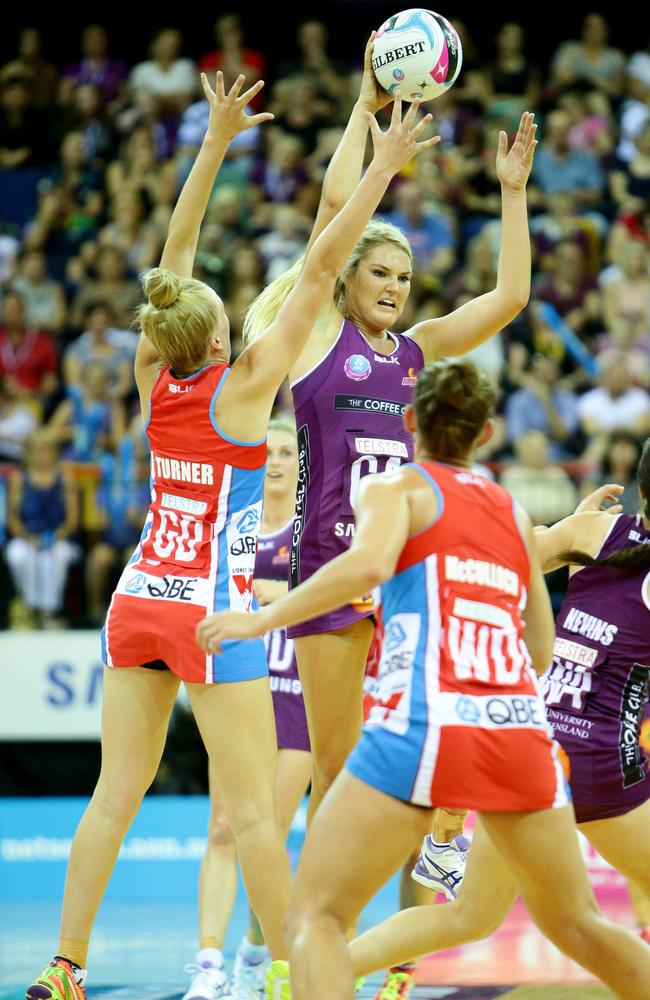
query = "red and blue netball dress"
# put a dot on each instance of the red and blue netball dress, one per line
(272, 563)
(596, 691)
(349, 413)
(197, 550)
(459, 721)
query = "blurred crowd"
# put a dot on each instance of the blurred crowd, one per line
(92, 157)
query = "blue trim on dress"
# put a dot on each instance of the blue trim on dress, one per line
(240, 444)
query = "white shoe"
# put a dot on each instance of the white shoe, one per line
(209, 979)
(248, 981)
(248, 978)
(442, 870)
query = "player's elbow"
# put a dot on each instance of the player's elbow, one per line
(540, 651)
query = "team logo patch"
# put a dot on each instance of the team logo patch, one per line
(395, 636)
(410, 379)
(248, 522)
(467, 710)
(136, 584)
(357, 367)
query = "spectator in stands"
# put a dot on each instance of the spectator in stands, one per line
(137, 167)
(300, 113)
(43, 298)
(429, 233)
(278, 178)
(480, 197)
(110, 284)
(626, 298)
(169, 79)
(89, 421)
(18, 419)
(105, 345)
(569, 287)
(96, 67)
(25, 134)
(561, 221)
(88, 115)
(314, 61)
(122, 499)
(284, 244)
(28, 357)
(43, 516)
(558, 167)
(232, 57)
(618, 465)
(513, 82)
(543, 405)
(617, 403)
(31, 63)
(545, 491)
(75, 174)
(131, 232)
(630, 180)
(60, 229)
(590, 59)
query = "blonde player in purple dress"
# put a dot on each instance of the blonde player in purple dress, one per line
(350, 388)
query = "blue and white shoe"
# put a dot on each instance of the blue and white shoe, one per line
(209, 978)
(441, 869)
(249, 978)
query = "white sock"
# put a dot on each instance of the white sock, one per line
(439, 847)
(209, 957)
(253, 954)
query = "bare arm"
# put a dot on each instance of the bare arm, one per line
(584, 532)
(71, 503)
(478, 320)
(227, 118)
(381, 500)
(14, 500)
(345, 167)
(262, 367)
(539, 631)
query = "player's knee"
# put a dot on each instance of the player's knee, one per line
(327, 766)
(118, 804)
(253, 817)
(575, 934)
(220, 833)
(303, 918)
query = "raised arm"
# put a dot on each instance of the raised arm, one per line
(581, 532)
(227, 118)
(259, 371)
(344, 170)
(476, 321)
(380, 501)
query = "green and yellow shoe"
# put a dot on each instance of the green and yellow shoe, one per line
(56, 982)
(278, 984)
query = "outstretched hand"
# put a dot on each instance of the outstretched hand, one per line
(513, 167)
(228, 111)
(372, 96)
(610, 493)
(397, 145)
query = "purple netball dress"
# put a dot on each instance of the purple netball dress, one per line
(349, 413)
(272, 563)
(596, 691)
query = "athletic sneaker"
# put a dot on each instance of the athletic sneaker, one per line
(442, 868)
(209, 979)
(396, 985)
(58, 982)
(278, 984)
(248, 981)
